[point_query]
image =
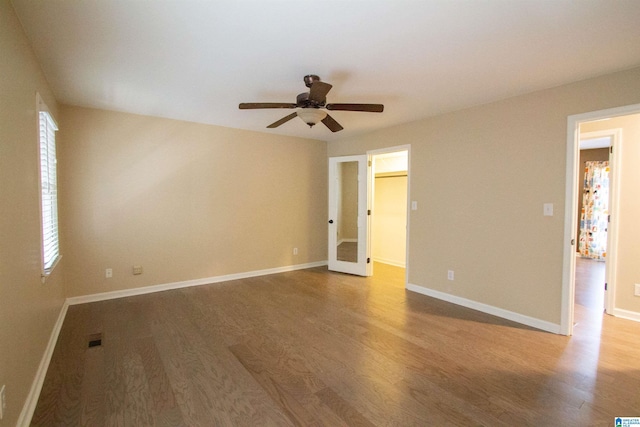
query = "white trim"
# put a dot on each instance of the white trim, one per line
(611, 261)
(360, 267)
(489, 309)
(395, 149)
(571, 207)
(570, 224)
(36, 387)
(187, 283)
(49, 237)
(626, 314)
(614, 135)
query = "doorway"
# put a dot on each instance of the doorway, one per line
(593, 202)
(375, 205)
(389, 208)
(619, 295)
(389, 202)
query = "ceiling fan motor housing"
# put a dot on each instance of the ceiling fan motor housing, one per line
(309, 79)
(303, 101)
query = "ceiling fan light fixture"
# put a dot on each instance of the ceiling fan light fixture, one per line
(311, 116)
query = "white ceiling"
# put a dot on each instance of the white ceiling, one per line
(197, 60)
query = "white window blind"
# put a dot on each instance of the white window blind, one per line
(49, 190)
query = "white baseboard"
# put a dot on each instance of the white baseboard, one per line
(36, 387)
(188, 283)
(626, 314)
(389, 262)
(489, 309)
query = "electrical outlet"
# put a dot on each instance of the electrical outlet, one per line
(450, 275)
(108, 273)
(295, 251)
(137, 269)
(3, 402)
(637, 290)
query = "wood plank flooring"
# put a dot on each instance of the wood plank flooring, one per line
(316, 348)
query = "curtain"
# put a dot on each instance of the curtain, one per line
(595, 211)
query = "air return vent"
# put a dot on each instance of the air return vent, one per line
(95, 340)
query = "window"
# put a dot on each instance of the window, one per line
(48, 189)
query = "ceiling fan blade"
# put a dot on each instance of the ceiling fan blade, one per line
(282, 120)
(369, 108)
(255, 105)
(319, 91)
(332, 124)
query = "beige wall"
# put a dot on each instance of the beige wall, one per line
(28, 308)
(183, 200)
(628, 250)
(482, 175)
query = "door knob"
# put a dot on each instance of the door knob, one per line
(330, 221)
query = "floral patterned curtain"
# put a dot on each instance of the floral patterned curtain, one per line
(595, 211)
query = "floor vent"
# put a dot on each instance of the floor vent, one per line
(95, 340)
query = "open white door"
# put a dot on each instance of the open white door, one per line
(348, 215)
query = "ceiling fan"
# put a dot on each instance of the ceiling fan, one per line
(312, 105)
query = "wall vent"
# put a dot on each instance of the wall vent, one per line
(95, 340)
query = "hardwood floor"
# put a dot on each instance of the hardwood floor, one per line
(590, 279)
(316, 348)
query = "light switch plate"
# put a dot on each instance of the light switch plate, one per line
(548, 209)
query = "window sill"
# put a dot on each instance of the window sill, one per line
(46, 273)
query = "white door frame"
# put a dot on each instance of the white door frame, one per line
(571, 209)
(395, 149)
(362, 266)
(615, 150)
